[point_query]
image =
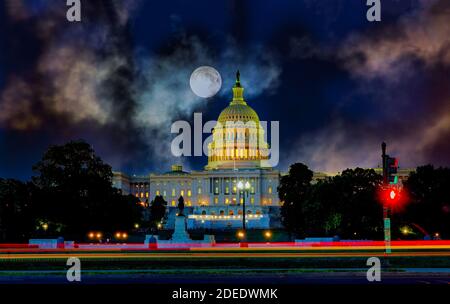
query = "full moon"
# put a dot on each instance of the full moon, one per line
(205, 81)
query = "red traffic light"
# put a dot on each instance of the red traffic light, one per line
(392, 194)
(393, 197)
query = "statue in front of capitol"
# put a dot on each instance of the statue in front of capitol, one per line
(180, 206)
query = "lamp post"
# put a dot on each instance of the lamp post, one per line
(243, 190)
(386, 217)
(391, 197)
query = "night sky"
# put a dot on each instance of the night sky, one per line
(338, 84)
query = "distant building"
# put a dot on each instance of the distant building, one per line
(402, 174)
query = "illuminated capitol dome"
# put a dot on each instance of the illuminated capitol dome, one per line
(238, 138)
(237, 155)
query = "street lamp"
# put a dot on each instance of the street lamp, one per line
(243, 191)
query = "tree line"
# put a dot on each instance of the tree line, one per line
(348, 205)
(69, 194)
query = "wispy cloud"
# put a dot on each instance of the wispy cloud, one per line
(162, 87)
(423, 35)
(89, 74)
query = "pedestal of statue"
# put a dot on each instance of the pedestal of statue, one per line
(180, 234)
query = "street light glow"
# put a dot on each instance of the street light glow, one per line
(240, 185)
(247, 185)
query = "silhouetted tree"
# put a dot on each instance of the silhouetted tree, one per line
(429, 199)
(292, 191)
(341, 205)
(74, 191)
(346, 205)
(16, 215)
(157, 210)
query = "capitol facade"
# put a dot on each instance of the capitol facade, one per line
(213, 198)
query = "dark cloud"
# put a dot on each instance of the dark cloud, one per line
(89, 81)
(401, 73)
(81, 73)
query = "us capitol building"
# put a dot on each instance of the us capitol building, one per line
(213, 200)
(238, 153)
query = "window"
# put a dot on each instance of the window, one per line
(164, 193)
(146, 194)
(173, 191)
(216, 200)
(258, 212)
(270, 190)
(189, 203)
(157, 192)
(182, 192)
(199, 190)
(203, 212)
(227, 200)
(231, 212)
(216, 190)
(227, 190)
(142, 194)
(222, 212)
(189, 193)
(240, 212)
(173, 203)
(252, 200)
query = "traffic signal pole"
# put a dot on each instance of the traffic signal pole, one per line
(386, 211)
